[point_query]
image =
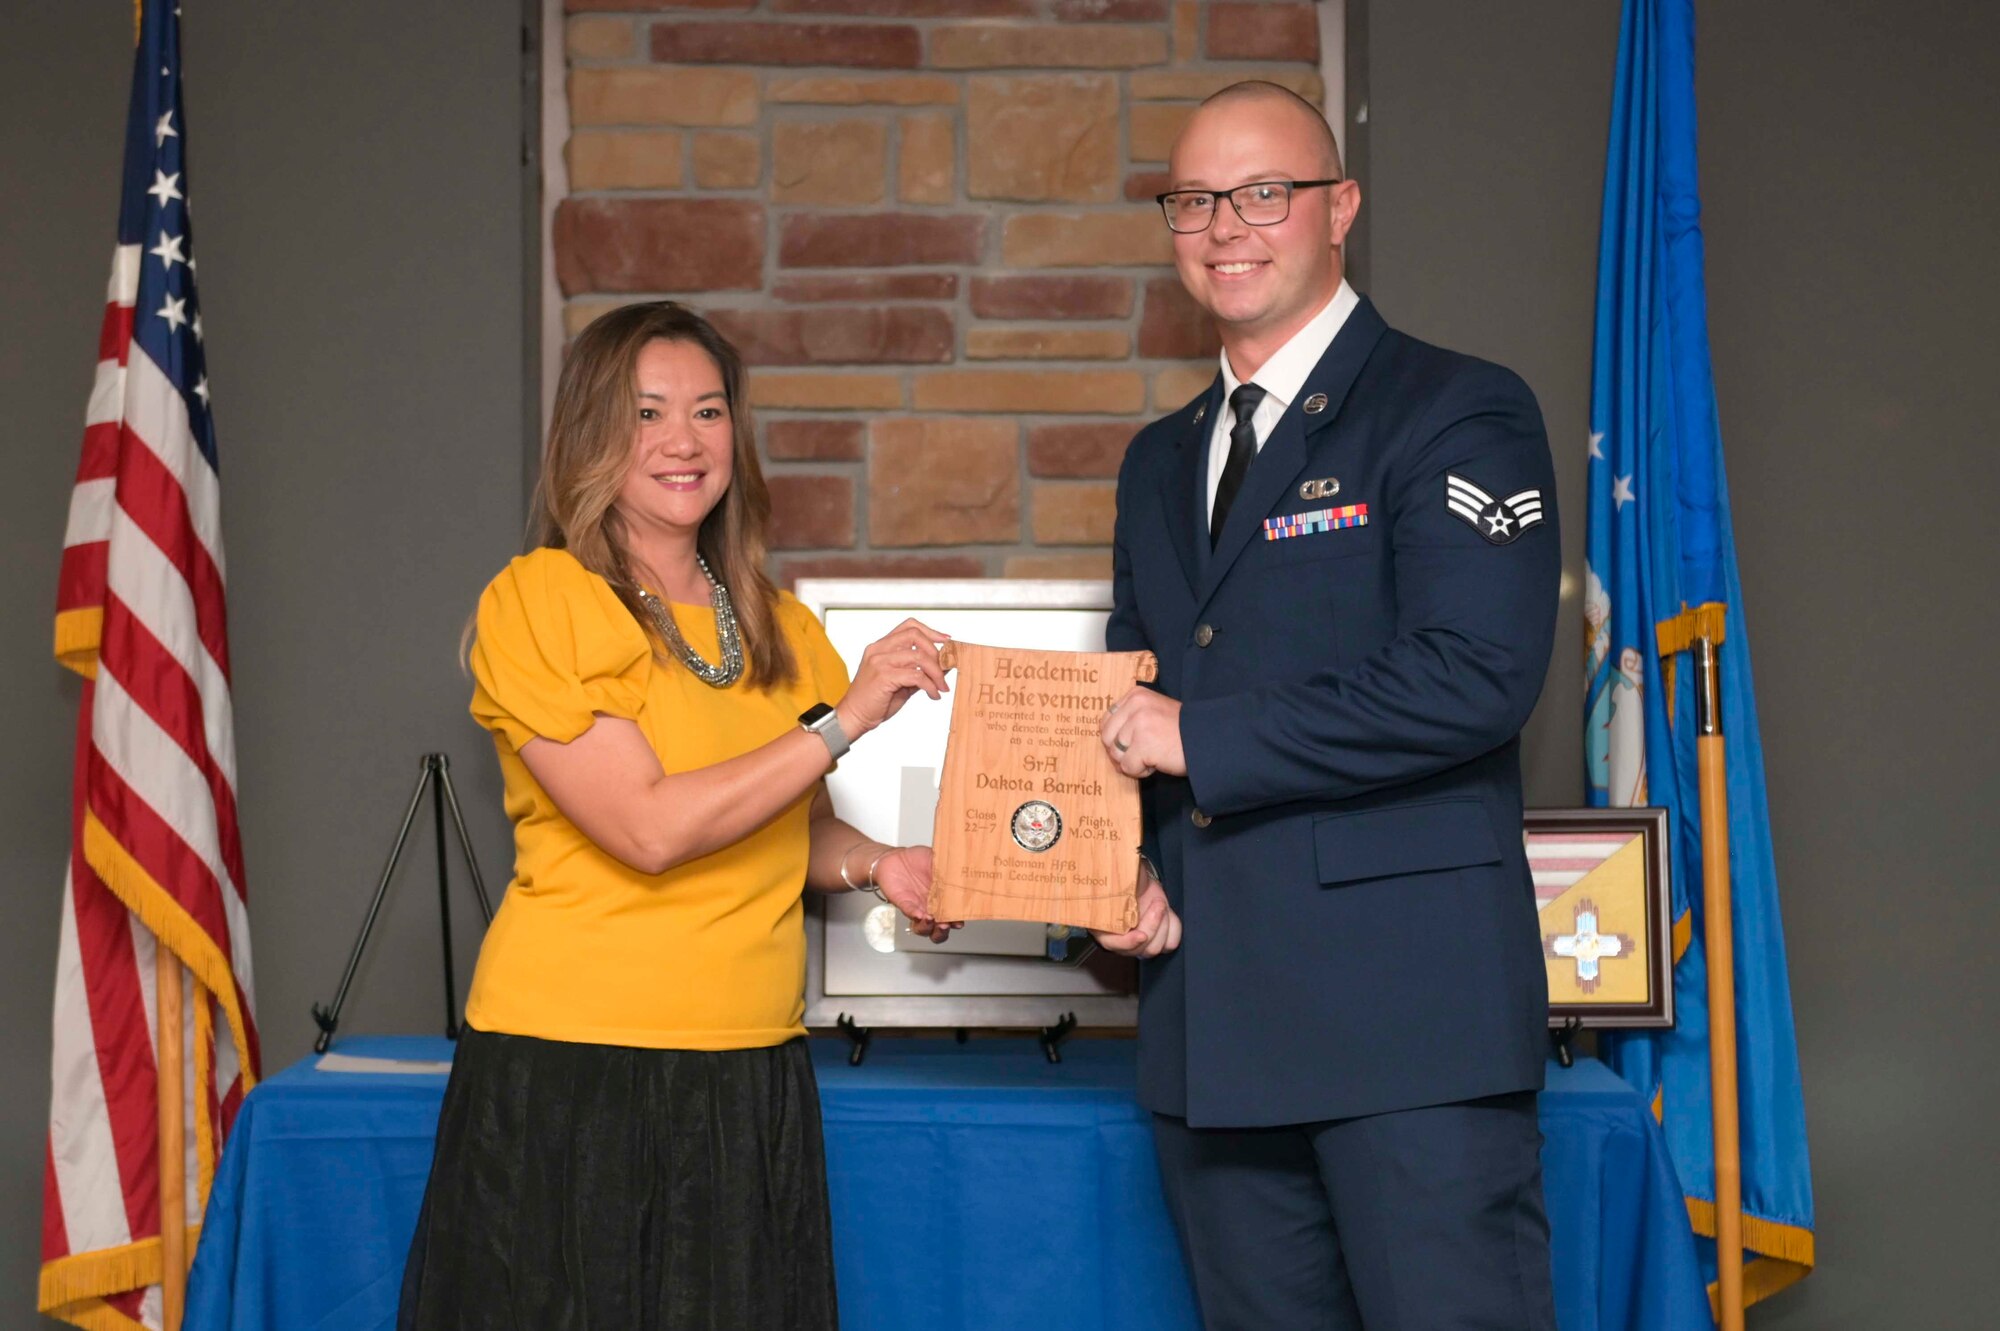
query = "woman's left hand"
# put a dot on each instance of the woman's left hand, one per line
(904, 875)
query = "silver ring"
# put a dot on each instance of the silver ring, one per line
(1120, 745)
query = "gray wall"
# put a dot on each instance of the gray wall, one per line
(1849, 196)
(355, 170)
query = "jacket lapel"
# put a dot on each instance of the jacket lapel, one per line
(1185, 483)
(1283, 456)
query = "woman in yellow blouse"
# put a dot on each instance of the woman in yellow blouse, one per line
(630, 1137)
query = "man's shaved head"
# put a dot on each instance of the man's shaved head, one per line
(1258, 90)
(1261, 282)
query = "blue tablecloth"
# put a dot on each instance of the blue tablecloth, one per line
(975, 1187)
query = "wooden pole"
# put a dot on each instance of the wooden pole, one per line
(169, 1008)
(1720, 939)
(173, 1139)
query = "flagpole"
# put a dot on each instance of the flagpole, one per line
(173, 1139)
(1719, 933)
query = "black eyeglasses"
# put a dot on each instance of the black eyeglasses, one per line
(1260, 203)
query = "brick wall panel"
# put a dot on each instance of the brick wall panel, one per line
(1173, 326)
(1112, 11)
(909, 8)
(879, 240)
(624, 159)
(639, 95)
(929, 227)
(927, 159)
(634, 6)
(809, 440)
(1064, 297)
(869, 46)
(1262, 30)
(798, 391)
(1050, 46)
(727, 161)
(1043, 138)
(1086, 240)
(592, 38)
(861, 90)
(944, 481)
(1095, 566)
(1078, 450)
(1020, 392)
(866, 286)
(840, 335)
(642, 245)
(1154, 126)
(1048, 344)
(1074, 512)
(835, 162)
(811, 512)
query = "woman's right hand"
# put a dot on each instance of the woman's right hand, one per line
(903, 876)
(902, 662)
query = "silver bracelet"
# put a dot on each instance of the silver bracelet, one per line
(852, 886)
(874, 886)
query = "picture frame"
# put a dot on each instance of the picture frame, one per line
(857, 969)
(1601, 889)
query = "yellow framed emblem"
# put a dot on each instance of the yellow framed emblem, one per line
(1601, 890)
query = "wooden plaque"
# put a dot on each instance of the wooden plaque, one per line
(1033, 820)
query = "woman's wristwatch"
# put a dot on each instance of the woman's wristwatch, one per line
(823, 721)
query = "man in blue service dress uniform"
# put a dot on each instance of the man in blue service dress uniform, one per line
(1345, 556)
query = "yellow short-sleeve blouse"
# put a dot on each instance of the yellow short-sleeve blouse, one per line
(710, 954)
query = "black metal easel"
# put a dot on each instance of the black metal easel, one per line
(1562, 1038)
(436, 775)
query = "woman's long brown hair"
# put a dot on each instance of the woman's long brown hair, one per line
(590, 447)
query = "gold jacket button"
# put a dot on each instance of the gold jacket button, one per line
(1200, 819)
(1204, 635)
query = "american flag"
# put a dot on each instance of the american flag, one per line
(155, 858)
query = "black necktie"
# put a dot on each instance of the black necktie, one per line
(1242, 447)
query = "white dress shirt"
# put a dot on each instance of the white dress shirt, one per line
(1281, 378)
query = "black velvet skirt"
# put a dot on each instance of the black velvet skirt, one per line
(595, 1186)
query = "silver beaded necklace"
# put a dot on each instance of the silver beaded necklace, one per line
(730, 669)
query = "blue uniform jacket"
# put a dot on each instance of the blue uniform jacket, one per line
(1346, 850)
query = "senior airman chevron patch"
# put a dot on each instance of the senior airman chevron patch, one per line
(1500, 521)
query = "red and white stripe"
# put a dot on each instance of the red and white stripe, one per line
(156, 768)
(1559, 861)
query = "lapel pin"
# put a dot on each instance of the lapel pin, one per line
(1200, 412)
(1315, 404)
(1321, 489)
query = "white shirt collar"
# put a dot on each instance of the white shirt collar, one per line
(1284, 374)
(1281, 378)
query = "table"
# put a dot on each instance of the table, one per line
(975, 1187)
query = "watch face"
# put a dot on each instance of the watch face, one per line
(815, 714)
(1037, 826)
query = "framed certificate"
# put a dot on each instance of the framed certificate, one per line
(1601, 889)
(860, 962)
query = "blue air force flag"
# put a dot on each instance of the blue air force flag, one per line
(1662, 571)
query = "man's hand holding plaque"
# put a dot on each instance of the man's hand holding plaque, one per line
(1158, 930)
(1142, 733)
(1035, 821)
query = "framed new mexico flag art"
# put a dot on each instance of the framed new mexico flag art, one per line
(1601, 889)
